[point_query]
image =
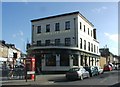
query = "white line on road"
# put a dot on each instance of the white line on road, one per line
(103, 80)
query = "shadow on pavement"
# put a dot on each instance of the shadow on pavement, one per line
(115, 85)
(62, 79)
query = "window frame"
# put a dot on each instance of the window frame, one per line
(64, 59)
(38, 29)
(91, 33)
(80, 25)
(57, 42)
(91, 47)
(47, 42)
(94, 49)
(67, 25)
(84, 44)
(67, 41)
(47, 28)
(80, 43)
(39, 43)
(57, 26)
(48, 58)
(84, 28)
(88, 46)
(88, 31)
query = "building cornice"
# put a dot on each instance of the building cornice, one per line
(61, 15)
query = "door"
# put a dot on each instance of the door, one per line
(38, 64)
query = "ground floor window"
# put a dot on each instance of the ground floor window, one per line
(50, 60)
(64, 60)
(86, 61)
(75, 60)
(89, 61)
(81, 61)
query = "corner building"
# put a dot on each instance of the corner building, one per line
(63, 41)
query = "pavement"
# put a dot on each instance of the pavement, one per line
(40, 80)
(108, 78)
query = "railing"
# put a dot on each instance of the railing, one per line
(17, 73)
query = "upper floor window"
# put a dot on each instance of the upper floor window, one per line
(80, 43)
(67, 25)
(91, 33)
(57, 27)
(88, 46)
(67, 41)
(32, 33)
(84, 28)
(38, 29)
(80, 25)
(48, 28)
(91, 47)
(57, 42)
(47, 42)
(39, 43)
(94, 48)
(97, 49)
(88, 31)
(84, 44)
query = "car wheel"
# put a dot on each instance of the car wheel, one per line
(81, 77)
(88, 75)
(91, 75)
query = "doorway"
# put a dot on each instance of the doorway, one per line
(38, 64)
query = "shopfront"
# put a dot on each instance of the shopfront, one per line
(61, 59)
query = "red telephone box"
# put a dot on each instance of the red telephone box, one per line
(30, 68)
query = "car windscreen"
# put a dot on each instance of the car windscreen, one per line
(87, 68)
(74, 69)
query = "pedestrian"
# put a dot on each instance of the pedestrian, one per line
(38, 70)
(4, 66)
(11, 72)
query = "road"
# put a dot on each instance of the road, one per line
(108, 78)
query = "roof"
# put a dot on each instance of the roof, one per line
(66, 14)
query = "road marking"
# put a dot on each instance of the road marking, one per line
(103, 80)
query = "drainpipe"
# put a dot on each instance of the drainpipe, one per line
(74, 31)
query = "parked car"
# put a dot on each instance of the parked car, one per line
(112, 65)
(77, 73)
(100, 70)
(107, 67)
(117, 66)
(92, 70)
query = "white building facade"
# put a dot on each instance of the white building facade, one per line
(64, 41)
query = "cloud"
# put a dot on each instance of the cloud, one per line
(19, 36)
(114, 50)
(22, 40)
(24, 0)
(14, 35)
(113, 37)
(21, 33)
(99, 10)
